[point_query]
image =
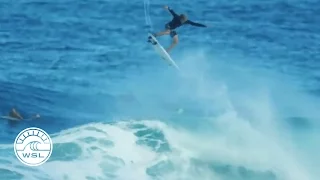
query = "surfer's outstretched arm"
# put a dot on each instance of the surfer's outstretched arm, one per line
(36, 116)
(195, 24)
(171, 11)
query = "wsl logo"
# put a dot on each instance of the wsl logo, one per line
(33, 146)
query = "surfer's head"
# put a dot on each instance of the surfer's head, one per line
(183, 18)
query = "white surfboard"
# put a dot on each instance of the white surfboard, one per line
(161, 51)
(9, 118)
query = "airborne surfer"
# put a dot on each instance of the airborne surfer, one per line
(177, 21)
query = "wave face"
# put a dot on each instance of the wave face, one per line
(244, 107)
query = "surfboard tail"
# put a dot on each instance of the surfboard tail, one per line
(162, 52)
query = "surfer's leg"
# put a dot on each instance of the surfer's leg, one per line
(166, 32)
(175, 41)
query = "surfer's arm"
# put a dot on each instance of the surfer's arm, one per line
(195, 24)
(171, 11)
(36, 116)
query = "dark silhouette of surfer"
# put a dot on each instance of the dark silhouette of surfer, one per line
(14, 115)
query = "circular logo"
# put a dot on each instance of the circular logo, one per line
(33, 146)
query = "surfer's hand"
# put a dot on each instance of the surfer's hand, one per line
(166, 7)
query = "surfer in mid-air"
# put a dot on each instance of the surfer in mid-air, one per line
(177, 21)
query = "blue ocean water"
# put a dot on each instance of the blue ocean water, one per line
(245, 105)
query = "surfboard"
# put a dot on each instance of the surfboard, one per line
(9, 118)
(161, 51)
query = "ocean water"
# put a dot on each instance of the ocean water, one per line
(245, 105)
